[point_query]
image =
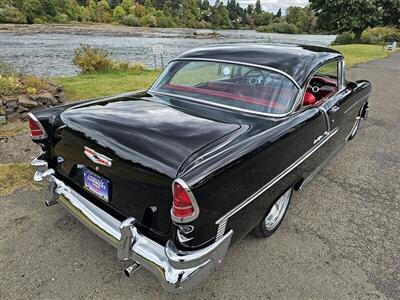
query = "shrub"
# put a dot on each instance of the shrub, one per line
(39, 21)
(344, 38)
(30, 82)
(149, 20)
(131, 20)
(12, 15)
(61, 18)
(88, 59)
(282, 27)
(118, 13)
(379, 34)
(9, 86)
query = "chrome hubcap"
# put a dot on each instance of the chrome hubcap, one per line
(277, 211)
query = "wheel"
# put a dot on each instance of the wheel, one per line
(274, 217)
(354, 130)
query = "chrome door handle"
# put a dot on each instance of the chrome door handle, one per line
(335, 109)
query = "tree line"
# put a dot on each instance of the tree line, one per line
(319, 16)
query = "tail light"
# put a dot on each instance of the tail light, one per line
(37, 130)
(184, 205)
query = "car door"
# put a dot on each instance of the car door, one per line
(342, 109)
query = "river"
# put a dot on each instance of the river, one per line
(48, 51)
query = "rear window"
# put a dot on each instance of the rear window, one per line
(238, 86)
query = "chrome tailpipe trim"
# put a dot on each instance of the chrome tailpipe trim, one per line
(176, 270)
(129, 271)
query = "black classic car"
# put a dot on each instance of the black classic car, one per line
(173, 176)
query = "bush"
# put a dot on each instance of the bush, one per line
(344, 38)
(131, 20)
(118, 13)
(282, 27)
(39, 21)
(12, 15)
(380, 34)
(88, 59)
(149, 20)
(9, 86)
(61, 18)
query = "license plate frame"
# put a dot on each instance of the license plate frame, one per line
(96, 184)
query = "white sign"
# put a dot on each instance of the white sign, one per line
(158, 50)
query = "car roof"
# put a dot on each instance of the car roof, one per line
(297, 61)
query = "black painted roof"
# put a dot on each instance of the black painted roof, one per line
(295, 60)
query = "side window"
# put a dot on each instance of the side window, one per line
(323, 84)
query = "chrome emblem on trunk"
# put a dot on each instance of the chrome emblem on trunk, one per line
(97, 158)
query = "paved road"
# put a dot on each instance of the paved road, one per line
(341, 237)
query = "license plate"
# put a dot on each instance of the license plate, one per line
(96, 184)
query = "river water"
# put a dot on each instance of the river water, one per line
(50, 53)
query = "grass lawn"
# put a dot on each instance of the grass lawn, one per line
(360, 53)
(90, 86)
(96, 85)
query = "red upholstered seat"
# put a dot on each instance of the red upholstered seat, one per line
(309, 99)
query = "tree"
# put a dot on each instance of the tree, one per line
(390, 12)
(346, 15)
(258, 7)
(279, 13)
(303, 18)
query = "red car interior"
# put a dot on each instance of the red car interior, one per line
(226, 95)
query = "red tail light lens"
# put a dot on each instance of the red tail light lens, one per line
(37, 130)
(184, 207)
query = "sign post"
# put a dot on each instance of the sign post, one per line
(158, 51)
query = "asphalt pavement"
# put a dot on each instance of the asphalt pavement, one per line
(340, 238)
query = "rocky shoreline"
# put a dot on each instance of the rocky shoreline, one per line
(106, 30)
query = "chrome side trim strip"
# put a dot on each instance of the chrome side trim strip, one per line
(254, 196)
(355, 103)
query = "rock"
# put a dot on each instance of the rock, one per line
(10, 110)
(60, 97)
(22, 109)
(13, 117)
(12, 105)
(3, 120)
(46, 99)
(23, 116)
(27, 102)
(10, 99)
(2, 110)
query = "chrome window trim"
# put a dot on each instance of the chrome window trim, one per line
(340, 74)
(192, 198)
(293, 108)
(220, 105)
(255, 195)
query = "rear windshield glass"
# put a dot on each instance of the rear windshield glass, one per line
(238, 86)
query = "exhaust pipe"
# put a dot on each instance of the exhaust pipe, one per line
(50, 202)
(132, 269)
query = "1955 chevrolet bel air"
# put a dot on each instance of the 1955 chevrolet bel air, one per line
(234, 129)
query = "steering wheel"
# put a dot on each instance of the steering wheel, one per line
(252, 80)
(315, 89)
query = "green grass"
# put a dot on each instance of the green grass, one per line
(88, 86)
(359, 53)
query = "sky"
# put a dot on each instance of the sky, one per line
(273, 5)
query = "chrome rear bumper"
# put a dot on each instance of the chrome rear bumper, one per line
(176, 270)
